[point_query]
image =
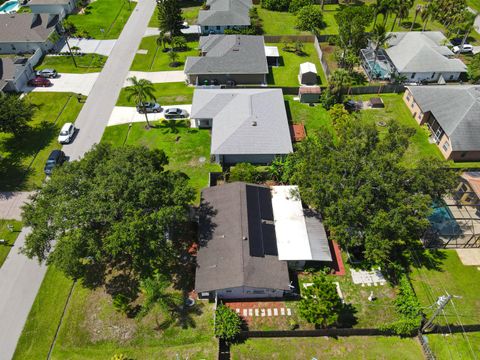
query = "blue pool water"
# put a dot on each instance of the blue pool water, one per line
(443, 221)
(9, 6)
(378, 69)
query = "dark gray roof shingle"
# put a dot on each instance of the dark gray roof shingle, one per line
(225, 13)
(17, 28)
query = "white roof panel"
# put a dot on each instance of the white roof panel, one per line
(271, 51)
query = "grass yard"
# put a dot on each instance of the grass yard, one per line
(87, 63)
(188, 149)
(287, 73)
(454, 346)
(353, 347)
(313, 118)
(190, 10)
(165, 94)
(474, 4)
(156, 60)
(9, 236)
(22, 159)
(279, 23)
(109, 15)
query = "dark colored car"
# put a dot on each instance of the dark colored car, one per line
(47, 73)
(175, 113)
(149, 107)
(40, 81)
(56, 158)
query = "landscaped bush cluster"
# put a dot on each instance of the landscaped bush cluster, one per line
(227, 323)
(276, 5)
(296, 5)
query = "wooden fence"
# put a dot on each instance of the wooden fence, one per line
(332, 332)
(375, 89)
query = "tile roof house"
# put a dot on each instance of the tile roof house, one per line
(59, 7)
(249, 236)
(452, 113)
(416, 55)
(25, 33)
(220, 15)
(248, 125)
(228, 59)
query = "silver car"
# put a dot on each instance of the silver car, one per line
(175, 113)
(47, 73)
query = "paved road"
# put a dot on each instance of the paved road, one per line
(125, 114)
(11, 204)
(94, 116)
(20, 278)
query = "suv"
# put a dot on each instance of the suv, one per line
(47, 73)
(66, 134)
(40, 81)
(149, 107)
(175, 113)
(56, 158)
(467, 48)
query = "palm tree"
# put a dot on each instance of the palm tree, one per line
(428, 12)
(379, 36)
(339, 80)
(68, 30)
(401, 8)
(418, 9)
(141, 91)
(173, 56)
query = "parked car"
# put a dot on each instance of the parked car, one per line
(465, 49)
(176, 113)
(56, 158)
(149, 107)
(40, 81)
(66, 133)
(47, 73)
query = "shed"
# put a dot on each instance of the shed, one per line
(308, 74)
(376, 103)
(273, 56)
(309, 94)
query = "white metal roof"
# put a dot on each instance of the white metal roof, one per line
(307, 67)
(296, 239)
(271, 51)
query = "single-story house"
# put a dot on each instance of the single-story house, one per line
(228, 60)
(15, 72)
(468, 190)
(220, 15)
(308, 74)
(59, 7)
(452, 113)
(248, 125)
(249, 236)
(25, 33)
(418, 56)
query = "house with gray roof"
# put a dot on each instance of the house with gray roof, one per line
(220, 15)
(419, 56)
(248, 125)
(15, 71)
(228, 59)
(59, 7)
(452, 114)
(25, 33)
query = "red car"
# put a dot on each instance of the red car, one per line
(40, 81)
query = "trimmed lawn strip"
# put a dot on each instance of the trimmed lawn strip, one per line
(454, 346)
(44, 316)
(88, 63)
(9, 236)
(165, 94)
(353, 347)
(32, 148)
(109, 15)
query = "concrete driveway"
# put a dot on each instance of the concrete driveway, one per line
(192, 29)
(76, 83)
(91, 46)
(157, 77)
(126, 115)
(11, 204)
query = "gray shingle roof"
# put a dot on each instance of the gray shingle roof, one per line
(17, 28)
(225, 12)
(48, 2)
(457, 110)
(228, 214)
(7, 68)
(234, 113)
(229, 54)
(422, 52)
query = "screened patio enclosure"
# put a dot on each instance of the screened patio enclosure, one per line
(377, 69)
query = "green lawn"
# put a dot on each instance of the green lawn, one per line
(188, 149)
(87, 63)
(9, 236)
(313, 118)
(190, 10)
(165, 94)
(353, 347)
(287, 73)
(22, 158)
(156, 60)
(109, 15)
(279, 23)
(474, 4)
(454, 346)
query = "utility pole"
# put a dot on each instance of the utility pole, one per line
(441, 303)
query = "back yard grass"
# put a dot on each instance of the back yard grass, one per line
(9, 236)
(165, 94)
(88, 63)
(190, 10)
(107, 15)
(23, 157)
(353, 347)
(156, 60)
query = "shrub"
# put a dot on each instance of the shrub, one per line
(227, 323)
(310, 18)
(244, 172)
(276, 5)
(121, 303)
(296, 5)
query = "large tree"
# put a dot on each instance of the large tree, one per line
(169, 16)
(116, 213)
(379, 37)
(310, 18)
(473, 69)
(15, 113)
(370, 199)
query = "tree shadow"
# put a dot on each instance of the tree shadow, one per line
(431, 259)
(122, 284)
(408, 24)
(347, 317)
(173, 126)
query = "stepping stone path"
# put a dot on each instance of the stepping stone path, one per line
(260, 309)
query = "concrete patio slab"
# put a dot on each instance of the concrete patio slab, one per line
(470, 257)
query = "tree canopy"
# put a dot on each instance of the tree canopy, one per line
(169, 16)
(15, 113)
(117, 211)
(227, 323)
(352, 23)
(473, 69)
(310, 18)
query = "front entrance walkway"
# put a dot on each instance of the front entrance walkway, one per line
(251, 309)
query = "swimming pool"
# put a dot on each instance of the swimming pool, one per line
(378, 70)
(442, 220)
(9, 6)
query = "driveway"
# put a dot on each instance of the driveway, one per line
(91, 46)
(157, 77)
(192, 29)
(76, 83)
(11, 204)
(126, 115)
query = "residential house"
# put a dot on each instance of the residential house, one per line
(249, 236)
(228, 60)
(59, 7)
(220, 15)
(248, 125)
(417, 56)
(15, 71)
(452, 113)
(25, 33)
(468, 189)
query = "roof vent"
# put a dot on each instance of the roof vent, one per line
(244, 238)
(254, 123)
